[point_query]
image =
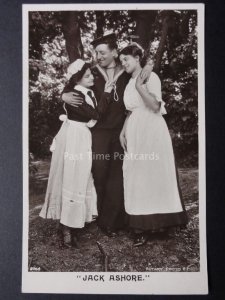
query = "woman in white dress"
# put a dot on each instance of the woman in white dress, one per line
(70, 195)
(152, 198)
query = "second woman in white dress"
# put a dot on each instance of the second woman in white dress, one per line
(152, 198)
(71, 196)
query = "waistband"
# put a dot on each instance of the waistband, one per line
(77, 124)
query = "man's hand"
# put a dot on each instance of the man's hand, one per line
(108, 86)
(146, 72)
(123, 140)
(73, 99)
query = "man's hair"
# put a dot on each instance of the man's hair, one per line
(109, 40)
(111, 44)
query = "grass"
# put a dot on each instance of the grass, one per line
(179, 251)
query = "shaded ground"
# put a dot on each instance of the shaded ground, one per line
(179, 251)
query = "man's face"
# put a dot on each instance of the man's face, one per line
(105, 56)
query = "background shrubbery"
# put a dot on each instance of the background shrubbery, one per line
(169, 37)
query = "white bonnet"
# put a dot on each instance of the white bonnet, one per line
(75, 67)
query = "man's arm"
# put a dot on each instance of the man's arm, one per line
(77, 102)
(71, 97)
(81, 108)
(106, 98)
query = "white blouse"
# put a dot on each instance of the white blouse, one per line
(132, 99)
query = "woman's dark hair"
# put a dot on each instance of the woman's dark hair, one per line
(134, 50)
(77, 77)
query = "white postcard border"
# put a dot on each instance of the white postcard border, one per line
(155, 282)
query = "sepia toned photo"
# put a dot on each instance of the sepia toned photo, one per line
(114, 149)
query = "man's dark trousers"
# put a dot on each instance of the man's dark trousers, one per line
(108, 177)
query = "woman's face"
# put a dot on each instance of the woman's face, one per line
(87, 80)
(129, 62)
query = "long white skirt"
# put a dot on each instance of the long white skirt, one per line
(150, 183)
(71, 195)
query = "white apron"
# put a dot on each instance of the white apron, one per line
(150, 184)
(71, 195)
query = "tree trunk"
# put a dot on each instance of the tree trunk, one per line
(178, 33)
(184, 26)
(71, 31)
(99, 23)
(144, 23)
(162, 43)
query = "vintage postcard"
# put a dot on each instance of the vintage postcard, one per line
(114, 194)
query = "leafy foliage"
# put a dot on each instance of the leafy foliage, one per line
(178, 70)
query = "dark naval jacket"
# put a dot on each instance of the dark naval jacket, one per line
(114, 115)
(110, 111)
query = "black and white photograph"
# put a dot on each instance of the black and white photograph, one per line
(114, 149)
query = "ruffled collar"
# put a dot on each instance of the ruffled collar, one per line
(118, 71)
(83, 89)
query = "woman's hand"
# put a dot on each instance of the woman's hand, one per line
(140, 81)
(108, 86)
(146, 72)
(123, 140)
(73, 99)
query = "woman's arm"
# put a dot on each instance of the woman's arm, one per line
(147, 70)
(123, 140)
(148, 97)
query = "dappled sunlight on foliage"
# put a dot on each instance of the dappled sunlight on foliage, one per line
(176, 64)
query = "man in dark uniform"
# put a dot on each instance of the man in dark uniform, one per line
(106, 148)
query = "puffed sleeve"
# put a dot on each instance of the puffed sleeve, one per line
(153, 86)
